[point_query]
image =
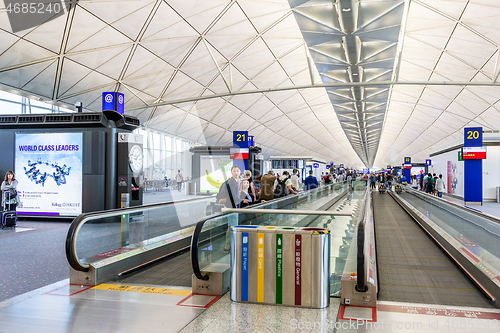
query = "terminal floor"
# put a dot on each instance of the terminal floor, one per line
(32, 256)
(412, 268)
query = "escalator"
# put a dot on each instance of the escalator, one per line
(412, 268)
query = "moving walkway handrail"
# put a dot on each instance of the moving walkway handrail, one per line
(362, 278)
(451, 203)
(199, 226)
(80, 220)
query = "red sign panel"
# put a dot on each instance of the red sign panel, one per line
(474, 153)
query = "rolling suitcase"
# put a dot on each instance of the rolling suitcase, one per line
(9, 214)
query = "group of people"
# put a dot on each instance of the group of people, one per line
(429, 183)
(382, 178)
(241, 190)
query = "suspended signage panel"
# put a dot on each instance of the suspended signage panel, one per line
(474, 153)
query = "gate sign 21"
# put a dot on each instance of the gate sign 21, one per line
(240, 139)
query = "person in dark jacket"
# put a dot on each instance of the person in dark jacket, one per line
(229, 192)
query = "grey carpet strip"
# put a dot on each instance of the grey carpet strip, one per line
(412, 268)
(173, 271)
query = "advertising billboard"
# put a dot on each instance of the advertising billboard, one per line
(48, 167)
(214, 171)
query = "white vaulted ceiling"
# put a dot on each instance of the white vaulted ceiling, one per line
(162, 51)
(444, 41)
(183, 64)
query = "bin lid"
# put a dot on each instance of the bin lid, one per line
(316, 230)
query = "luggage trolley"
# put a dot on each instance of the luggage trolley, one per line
(9, 214)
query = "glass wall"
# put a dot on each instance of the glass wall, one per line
(15, 104)
(164, 155)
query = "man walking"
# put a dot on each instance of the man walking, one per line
(179, 180)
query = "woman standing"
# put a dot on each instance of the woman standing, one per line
(251, 189)
(414, 182)
(9, 184)
(244, 194)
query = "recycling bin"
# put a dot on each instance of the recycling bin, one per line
(280, 265)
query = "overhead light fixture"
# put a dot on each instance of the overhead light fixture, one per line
(354, 74)
(346, 9)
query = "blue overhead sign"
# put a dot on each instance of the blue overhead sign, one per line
(112, 101)
(108, 101)
(251, 141)
(428, 162)
(316, 165)
(120, 103)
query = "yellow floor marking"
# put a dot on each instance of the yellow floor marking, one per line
(144, 290)
(403, 285)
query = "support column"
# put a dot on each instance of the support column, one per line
(473, 168)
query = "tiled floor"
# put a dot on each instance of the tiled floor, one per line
(228, 316)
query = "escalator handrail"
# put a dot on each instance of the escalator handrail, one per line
(195, 242)
(80, 220)
(195, 239)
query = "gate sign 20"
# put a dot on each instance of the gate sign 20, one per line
(473, 137)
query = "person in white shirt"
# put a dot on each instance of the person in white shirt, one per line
(294, 179)
(179, 180)
(440, 186)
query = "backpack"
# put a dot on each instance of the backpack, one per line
(280, 190)
(429, 183)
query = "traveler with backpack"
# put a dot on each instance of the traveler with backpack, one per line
(429, 184)
(311, 182)
(283, 186)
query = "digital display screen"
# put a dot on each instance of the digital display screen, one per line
(48, 168)
(214, 171)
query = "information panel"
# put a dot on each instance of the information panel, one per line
(48, 167)
(214, 170)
